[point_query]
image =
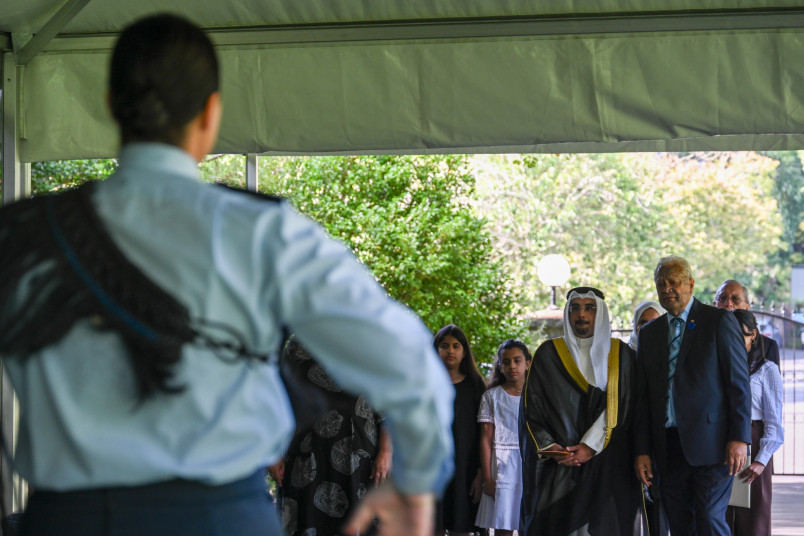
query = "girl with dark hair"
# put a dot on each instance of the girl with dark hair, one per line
(767, 434)
(500, 459)
(457, 509)
(498, 376)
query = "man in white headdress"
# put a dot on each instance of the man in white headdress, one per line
(574, 420)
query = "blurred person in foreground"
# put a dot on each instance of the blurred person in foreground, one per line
(142, 314)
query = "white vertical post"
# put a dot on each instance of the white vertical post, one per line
(251, 172)
(16, 184)
(16, 175)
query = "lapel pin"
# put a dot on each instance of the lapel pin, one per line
(691, 325)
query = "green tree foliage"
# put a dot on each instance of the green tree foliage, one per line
(57, 175)
(788, 190)
(465, 250)
(410, 220)
(731, 221)
(614, 215)
(228, 169)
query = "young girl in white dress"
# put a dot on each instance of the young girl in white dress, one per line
(500, 461)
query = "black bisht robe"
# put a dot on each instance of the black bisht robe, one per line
(602, 495)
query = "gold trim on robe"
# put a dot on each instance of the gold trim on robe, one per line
(612, 390)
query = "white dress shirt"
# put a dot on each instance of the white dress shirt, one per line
(767, 392)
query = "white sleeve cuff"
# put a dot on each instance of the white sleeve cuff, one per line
(595, 437)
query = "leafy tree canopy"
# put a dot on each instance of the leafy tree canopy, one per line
(614, 215)
(410, 220)
(59, 174)
(458, 238)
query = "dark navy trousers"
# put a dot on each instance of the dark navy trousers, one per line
(695, 498)
(173, 508)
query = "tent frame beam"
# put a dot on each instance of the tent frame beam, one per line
(480, 28)
(50, 29)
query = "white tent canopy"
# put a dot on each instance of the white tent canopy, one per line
(421, 76)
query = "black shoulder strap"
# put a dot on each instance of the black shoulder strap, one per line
(72, 269)
(257, 195)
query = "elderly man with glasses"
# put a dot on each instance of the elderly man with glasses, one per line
(733, 295)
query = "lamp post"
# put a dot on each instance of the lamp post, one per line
(554, 271)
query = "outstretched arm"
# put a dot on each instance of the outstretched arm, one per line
(643, 466)
(641, 434)
(341, 314)
(382, 462)
(399, 515)
(734, 373)
(486, 438)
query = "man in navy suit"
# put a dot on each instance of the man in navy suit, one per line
(733, 295)
(693, 413)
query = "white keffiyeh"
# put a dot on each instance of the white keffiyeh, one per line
(601, 340)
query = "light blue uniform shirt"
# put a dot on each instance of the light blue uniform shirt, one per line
(671, 409)
(253, 265)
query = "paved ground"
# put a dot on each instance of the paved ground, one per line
(788, 505)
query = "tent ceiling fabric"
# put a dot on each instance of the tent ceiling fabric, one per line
(313, 77)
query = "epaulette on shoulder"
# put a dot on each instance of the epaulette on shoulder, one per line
(264, 197)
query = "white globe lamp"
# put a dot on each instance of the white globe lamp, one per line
(553, 271)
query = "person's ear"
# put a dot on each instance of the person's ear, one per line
(211, 114)
(209, 121)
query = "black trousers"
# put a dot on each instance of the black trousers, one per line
(174, 508)
(695, 498)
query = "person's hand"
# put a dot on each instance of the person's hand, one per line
(476, 489)
(382, 467)
(579, 454)
(490, 487)
(399, 515)
(644, 469)
(750, 473)
(736, 455)
(277, 472)
(582, 452)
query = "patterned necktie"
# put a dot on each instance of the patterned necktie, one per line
(675, 346)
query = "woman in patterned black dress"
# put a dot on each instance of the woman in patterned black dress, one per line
(332, 464)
